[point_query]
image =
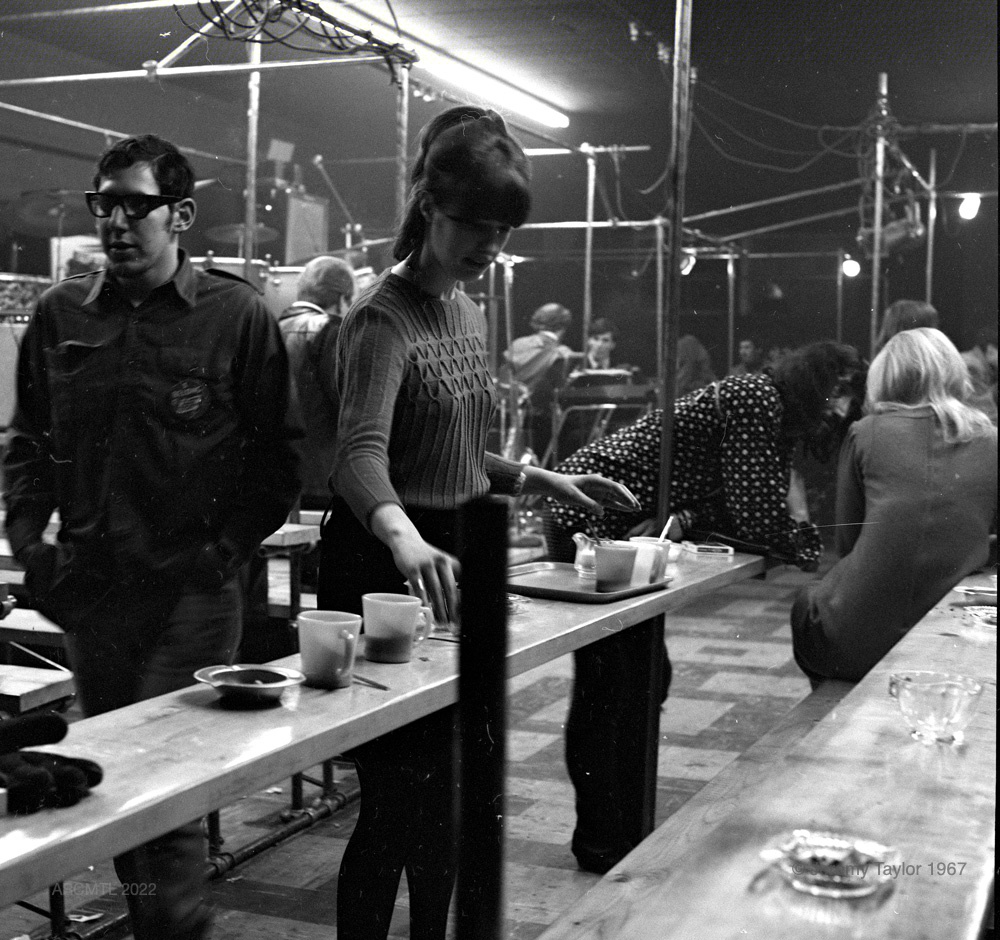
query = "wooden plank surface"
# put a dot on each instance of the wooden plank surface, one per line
(857, 771)
(176, 757)
(28, 626)
(25, 687)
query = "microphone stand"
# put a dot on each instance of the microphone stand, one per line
(318, 163)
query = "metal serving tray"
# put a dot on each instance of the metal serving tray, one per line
(559, 581)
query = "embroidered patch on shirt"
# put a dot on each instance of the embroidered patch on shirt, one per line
(189, 399)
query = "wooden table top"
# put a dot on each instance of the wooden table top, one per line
(173, 758)
(858, 772)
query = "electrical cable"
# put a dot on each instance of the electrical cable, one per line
(284, 21)
(759, 143)
(766, 166)
(779, 117)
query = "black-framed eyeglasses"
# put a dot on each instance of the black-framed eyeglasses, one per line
(134, 205)
(480, 227)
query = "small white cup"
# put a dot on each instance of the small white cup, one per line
(651, 559)
(327, 645)
(394, 623)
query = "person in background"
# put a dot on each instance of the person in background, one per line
(731, 474)
(904, 315)
(155, 412)
(750, 357)
(601, 337)
(981, 361)
(417, 399)
(309, 328)
(916, 499)
(534, 357)
(694, 366)
(541, 362)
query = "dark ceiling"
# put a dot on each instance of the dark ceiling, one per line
(782, 92)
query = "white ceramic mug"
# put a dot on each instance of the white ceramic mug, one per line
(613, 565)
(393, 624)
(327, 645)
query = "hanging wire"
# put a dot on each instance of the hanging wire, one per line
(285, 22)
(392, 13)
(775, 115)
(816, 157)
(765, 146)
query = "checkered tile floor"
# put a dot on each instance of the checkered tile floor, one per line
(734, 678)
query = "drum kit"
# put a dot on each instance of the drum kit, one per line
(51, 213)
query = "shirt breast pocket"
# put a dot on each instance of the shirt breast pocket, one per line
(192, 394)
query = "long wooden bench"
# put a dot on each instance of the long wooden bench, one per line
(643, 867)
(840, 760)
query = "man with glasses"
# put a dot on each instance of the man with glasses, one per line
(155, 413)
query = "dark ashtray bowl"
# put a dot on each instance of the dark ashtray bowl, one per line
(249, 684)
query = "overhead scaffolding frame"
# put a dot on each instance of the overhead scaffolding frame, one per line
(164, 68)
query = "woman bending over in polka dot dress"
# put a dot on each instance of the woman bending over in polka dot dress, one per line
(731, 474)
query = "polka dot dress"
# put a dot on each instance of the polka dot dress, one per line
(730, 470)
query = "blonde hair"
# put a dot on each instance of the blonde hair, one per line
(922, 367)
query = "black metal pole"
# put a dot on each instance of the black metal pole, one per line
(482, 719)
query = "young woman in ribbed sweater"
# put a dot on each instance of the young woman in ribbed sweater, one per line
(417, 399)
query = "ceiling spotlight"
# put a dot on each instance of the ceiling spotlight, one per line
(968, 208)
(688, 258)
(850, 267)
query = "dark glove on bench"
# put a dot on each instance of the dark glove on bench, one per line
(34, 779)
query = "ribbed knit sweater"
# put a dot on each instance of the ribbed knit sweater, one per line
(417, 399)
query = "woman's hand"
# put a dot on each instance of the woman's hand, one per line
(431, 573)
(590, 491)
(795, 501)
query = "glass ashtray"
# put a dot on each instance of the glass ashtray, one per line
(980, 617)
(832, 865)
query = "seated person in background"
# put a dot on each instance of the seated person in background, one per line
(904, 315)
(916, 495)
(600, 344)
(750, 357)
(694, 366)
(981, 361)
(532, 358)
(731, 473)
(309, 328)
(541, 362)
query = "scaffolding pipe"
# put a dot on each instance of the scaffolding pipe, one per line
(839, 326)
(774, 200)
(201, 35)
(676, 177)
(250, 204)
(107, 132)
(931, 223)
(661, 339)
(402, 142)
(731, 306)
(882, 112)
(234, 68)
(588, 243)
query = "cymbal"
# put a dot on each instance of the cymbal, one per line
(233, 234)
(51, 212)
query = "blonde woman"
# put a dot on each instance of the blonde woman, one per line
(916, 499)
